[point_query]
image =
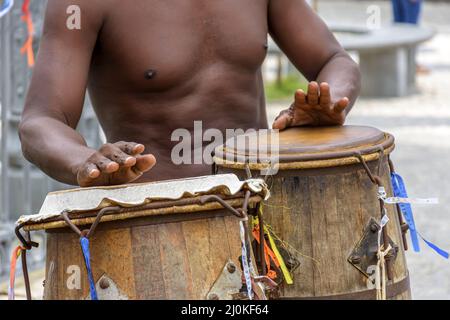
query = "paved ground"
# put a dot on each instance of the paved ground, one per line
(37, 289)
(421, 125)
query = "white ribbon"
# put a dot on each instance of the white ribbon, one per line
(394, 200)
(380, 271)
(245, 262)
(257, 186)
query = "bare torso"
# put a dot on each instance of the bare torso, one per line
(154, 66)
(156, 69)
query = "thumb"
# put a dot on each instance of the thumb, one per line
(282, 121)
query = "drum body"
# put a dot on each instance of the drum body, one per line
(323, 204)
(165, 249)
(151, 258)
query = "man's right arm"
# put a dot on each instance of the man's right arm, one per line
(55, 102)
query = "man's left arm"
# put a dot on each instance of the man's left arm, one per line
(334, 77)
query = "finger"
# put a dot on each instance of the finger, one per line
(87, 173)
(300, 97)
(106, 165)
(144, 163)
(114, 153)
(341, 105)
(325, 95)
(313, 93)
(130, 148)
(282, 121)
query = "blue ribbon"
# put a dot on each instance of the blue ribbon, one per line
(87, 259)
(441, 252)
(400, 191)
(6, 6)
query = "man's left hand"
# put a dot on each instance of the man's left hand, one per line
(314, 108)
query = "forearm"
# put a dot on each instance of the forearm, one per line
(344, 78)
(54, 147)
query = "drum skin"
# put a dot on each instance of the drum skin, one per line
(146, 258)
(321, 208)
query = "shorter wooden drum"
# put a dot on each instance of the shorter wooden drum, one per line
(325, 206)
(167, 241)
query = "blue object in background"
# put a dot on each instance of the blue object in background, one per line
(407, 11)
(5, 7)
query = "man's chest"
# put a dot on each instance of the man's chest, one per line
(170, 40)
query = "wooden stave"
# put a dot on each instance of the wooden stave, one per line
(394, 229)
(127, 259)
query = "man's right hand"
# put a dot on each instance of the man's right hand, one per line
(115, 163)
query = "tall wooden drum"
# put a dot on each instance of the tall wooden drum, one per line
(326, 204)
(166, 240)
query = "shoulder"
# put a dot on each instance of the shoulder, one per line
(89, 14)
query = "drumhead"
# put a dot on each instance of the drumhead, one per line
(305, 146)
(143, 199)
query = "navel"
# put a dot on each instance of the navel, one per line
(150, 74)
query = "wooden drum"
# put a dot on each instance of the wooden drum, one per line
(325, 205)
(164, 240)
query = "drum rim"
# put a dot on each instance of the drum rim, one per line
(309, 160)
(186, 206)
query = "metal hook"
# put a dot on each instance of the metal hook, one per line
(375, 179)
(27, 244)
(380, 160)
(248, 172)
(211, 198)
(90, 232)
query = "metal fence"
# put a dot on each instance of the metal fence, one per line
(23, 186)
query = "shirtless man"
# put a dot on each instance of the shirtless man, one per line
(152, 66)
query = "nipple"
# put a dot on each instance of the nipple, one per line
(150, 74)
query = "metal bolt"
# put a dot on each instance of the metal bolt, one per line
(404, 227)
(231, 267)
(104, 284)
(355, 259)
(213, 296)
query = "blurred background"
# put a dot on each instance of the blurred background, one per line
(406, 91)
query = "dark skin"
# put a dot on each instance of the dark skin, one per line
(154, 66)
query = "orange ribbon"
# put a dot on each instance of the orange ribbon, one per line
(28, 45)
(268, 253)
(12, 273)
